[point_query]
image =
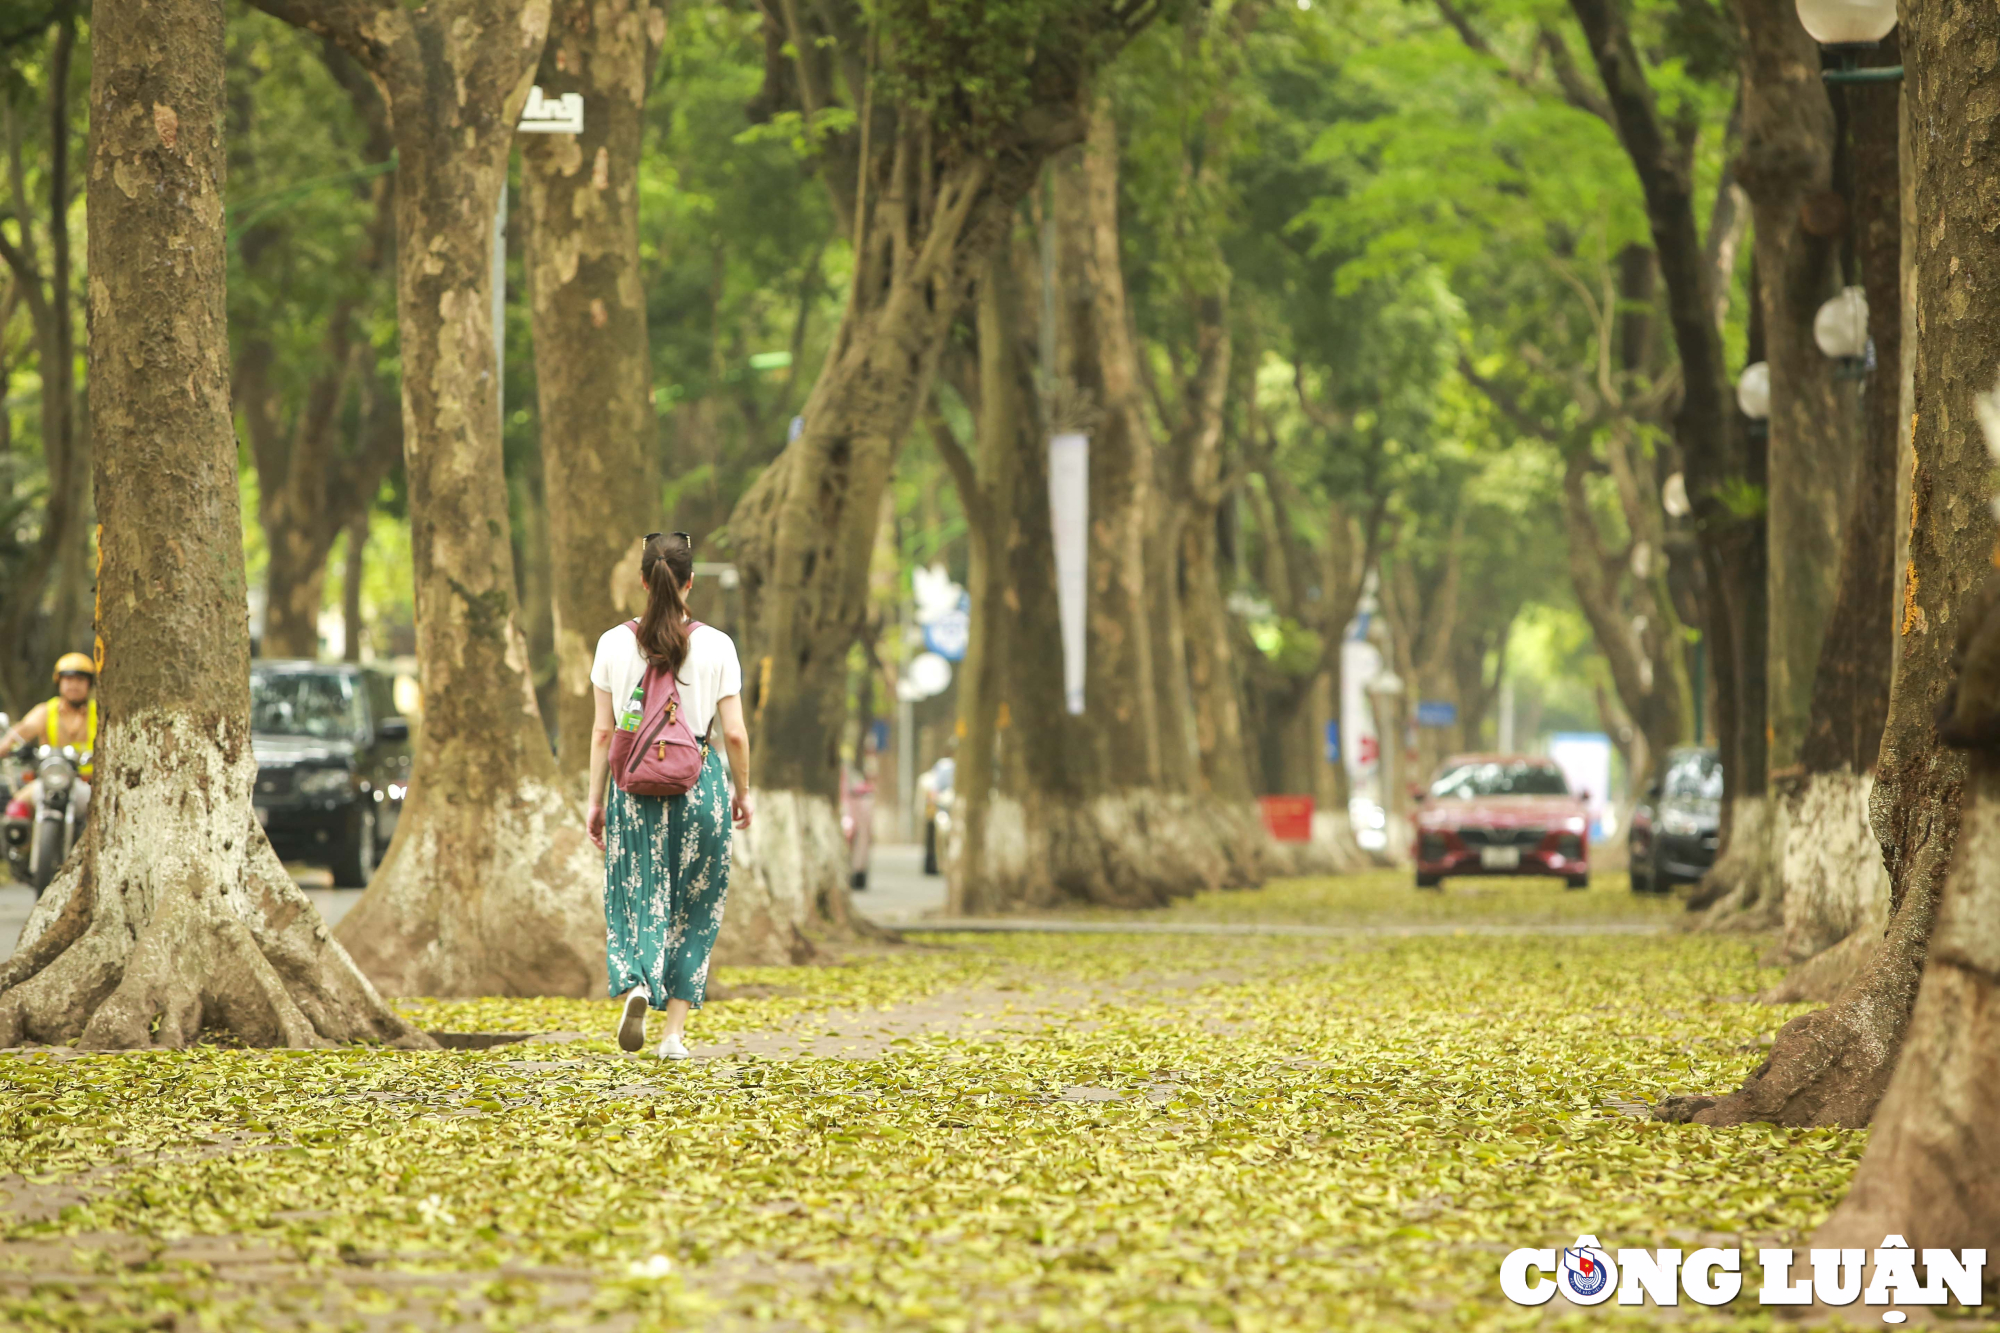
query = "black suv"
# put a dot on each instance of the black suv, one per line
(1674, 830)
(333, 763)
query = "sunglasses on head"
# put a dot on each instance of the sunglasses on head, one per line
(686, 540)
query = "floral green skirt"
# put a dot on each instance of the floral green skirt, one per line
(666, 874)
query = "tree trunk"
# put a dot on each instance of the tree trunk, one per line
(1226, 794)
(491, 887)
(1933, 1159)
(1786, 167)
(1831, 1066)
(1046, 822)
(1100, 361)
(593, 371)
(1706, 427)
(355, 566)
(175, 917)
(1835, 882)
(926, 211)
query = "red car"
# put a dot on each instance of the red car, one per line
(1502, 814)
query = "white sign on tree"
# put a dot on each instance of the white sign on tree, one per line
(1069, 516)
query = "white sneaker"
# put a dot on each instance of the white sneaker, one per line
(632, 1024)
(673, 1048)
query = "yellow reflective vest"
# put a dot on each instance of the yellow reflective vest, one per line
(89, 728)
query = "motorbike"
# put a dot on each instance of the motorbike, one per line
(40, 835)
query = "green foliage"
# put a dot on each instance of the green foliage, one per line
(973, 67)
(1099, 1132)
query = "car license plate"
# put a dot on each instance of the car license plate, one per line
(263, 816)
(1500, 858)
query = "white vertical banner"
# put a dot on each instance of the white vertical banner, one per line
(1069, 516)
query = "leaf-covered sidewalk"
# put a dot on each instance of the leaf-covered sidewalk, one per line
(973, 1132)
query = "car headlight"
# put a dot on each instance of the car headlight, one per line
(1679, 822)
(324, 781)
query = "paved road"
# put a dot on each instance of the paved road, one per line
(898, 893)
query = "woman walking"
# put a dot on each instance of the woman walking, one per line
(666, 857)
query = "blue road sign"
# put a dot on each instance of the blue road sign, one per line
(1437, 713)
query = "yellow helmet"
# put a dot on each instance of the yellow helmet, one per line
(75, 664)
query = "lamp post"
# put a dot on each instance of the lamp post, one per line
(1846, 28)
(1753, 397)
(1841, 330)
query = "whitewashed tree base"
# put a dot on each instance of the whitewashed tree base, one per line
(176, 917)
(530, 920)
(1833, 881)
(1745, 885)
(788, 879)
(1134, 849)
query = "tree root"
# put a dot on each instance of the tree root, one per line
(1830, 1067)
(1932, 1169)
(484, 897)
(252, 958)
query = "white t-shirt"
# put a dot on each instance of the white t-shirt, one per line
(710, 674)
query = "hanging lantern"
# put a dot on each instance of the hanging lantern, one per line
(1841, 330)
(1847, 28)
(1753, 396)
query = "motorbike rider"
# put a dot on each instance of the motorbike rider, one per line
(68, 719)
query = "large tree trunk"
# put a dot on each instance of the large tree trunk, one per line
(1933, 1160)
(1831, 1066)
(1786, 168)
(592, 367)
(176, 917)
(1051, 822)
(491, 887)
(1227, 794)
(924, 210)
(1835, 883)
(1100, 361)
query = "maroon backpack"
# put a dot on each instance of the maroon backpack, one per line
(659, 755)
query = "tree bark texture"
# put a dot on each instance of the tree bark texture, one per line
(1786, 167)
(1834, 881)
(1100, 361)
(1045, 820)
(1933, 1158)
(491, 886)
(1832, 1066)
(925, 214)
(592, 367)
(176, 916)
(1851, 686)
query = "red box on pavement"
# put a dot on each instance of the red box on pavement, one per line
(1289, 818)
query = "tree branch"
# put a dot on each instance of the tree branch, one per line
(348, 22)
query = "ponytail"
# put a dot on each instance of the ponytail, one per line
(666, 563)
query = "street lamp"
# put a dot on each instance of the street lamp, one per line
(1841, 330)
(1753, 396)
(1846, 28)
